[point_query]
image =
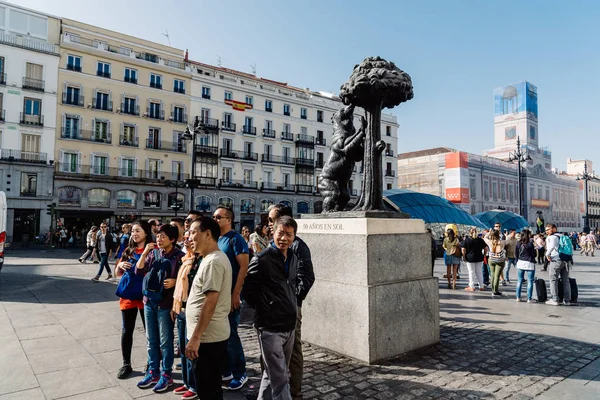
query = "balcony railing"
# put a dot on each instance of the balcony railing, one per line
(287, 136)
(2, 79)
(207, 150)
(390, 173)
(24, 156)
(147, 57)
(269, 109)
(302, 138)
(238, 184)
(210, 123)
(269, 133)
(178, 147)
(130, 79)
(73, 100)
(104, 105)
(240, 155)
(303, 116)
(206, 96)
(29, 119)
(228, 126)
(389, 153)
(112, 173)
(305, 162)
(129, 141)
(270, 158)
(86, 135)
(280, 187)
(156, 85)
(2, 115)
(28, 43)
(73, 67)
(154, 113)
(33, 84)
(180, 118)
(321, 141)
(103, 74)
(179, 90)
(249, 130)
(287, 113)
(304, 188)
(320, 163)
(127, 108)
(28, 192)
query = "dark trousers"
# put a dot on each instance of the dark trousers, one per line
(128, 318)
(486, 273)
(187, 370)
(236, 360)
(104, 264)
(540, 255)
(207, 370)
(297, 360)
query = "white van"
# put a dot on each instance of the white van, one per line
(3, 210)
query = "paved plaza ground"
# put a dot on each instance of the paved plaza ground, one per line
(60, 338)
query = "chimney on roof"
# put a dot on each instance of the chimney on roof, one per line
(186, 55)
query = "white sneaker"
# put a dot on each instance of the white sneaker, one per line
(552, 302)
(566, 303)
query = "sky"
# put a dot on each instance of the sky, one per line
(456, 53)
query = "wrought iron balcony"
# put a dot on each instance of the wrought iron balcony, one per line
(33, 84)
(178, 147)
(156, 85)
(249, 130)
(127, 108)
(86, 135)
(180, 118)
(154, 113)
(304, 188)
(390, 173)
(270, 158)
(305, 139)
(95, 172)
(129, 141)
(103, 74)
(228, 126)
(130, 79)
(179, 90)
(228, 183)
(28, 192)
(269, 133)
(287, 136)
(389, 153)
(102, 105)
(276, 186)
(303, 116)
(240, 155)
(73, 100)
(305, 162)
(210, 123)
(73, 67)
(23, 156)
(3, 115)
(2, 79)
(29, 119)
(321, 141)
(207, 150)
(206, 96)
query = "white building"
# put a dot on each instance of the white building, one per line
(29, 57)
(576, 170)
(266, 143)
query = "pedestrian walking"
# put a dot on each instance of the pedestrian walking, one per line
(90, 244)
(130, 291)
(452, 257)
(106, 245)
(526, 261)
(473, 248)
(497, 258)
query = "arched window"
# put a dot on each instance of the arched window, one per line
(247, 206)
(126, 199)
(69, 195)
(152, 199)
(203, 203)
(302, 207)
(265, 204)
(99, 197)
(226, 201)
(286, 203)
(318, 207)
(175, 198)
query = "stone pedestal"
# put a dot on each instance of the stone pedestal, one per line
(374, 297)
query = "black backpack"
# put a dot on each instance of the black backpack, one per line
(154, 281)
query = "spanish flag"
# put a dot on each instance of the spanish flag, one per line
(238, 105)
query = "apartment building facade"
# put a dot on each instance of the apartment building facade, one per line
(29, 56)
(123, 107)
(266, 142)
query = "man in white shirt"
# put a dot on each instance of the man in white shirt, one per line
(556, 268)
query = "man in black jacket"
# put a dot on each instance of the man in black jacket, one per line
(305, 278)
(270, 288)
(105, 245)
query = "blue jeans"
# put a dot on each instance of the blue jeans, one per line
(485, 269)
(104, 264)
(530, 278)
(187, 372)
(159, 332)
(509, 262)
(236, 361)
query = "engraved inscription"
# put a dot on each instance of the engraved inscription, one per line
(314, 226)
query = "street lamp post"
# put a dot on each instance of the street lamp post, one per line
(190, 135)
(585, 177)
(176, 183)
(519, 156)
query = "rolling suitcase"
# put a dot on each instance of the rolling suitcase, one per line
(574, 290)
(539, 290)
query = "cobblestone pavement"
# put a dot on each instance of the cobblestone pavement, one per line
(60, 338)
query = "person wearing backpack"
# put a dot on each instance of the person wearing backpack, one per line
(160, 267)
(557, 267)
(130, 291)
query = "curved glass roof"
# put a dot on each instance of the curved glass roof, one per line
(430, 208)
(509, 220)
